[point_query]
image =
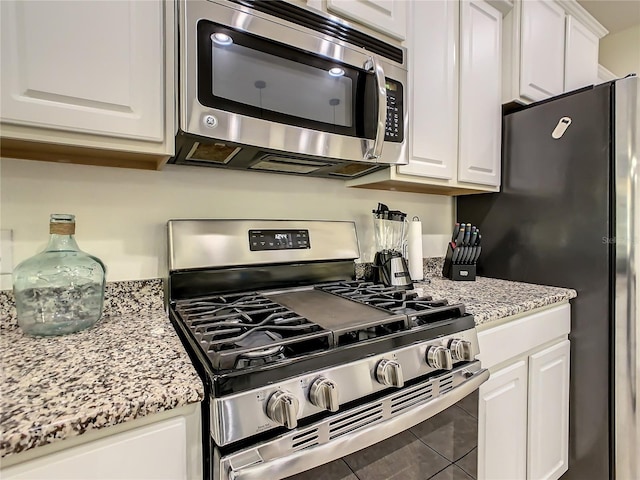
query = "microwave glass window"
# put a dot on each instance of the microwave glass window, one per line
(269, 82)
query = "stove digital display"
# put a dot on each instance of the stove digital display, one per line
(278, 240)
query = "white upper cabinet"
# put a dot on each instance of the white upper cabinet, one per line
(433, 86)
(550, 47)
(386, 16)
(480, 92)
(581, 57)
(92, 67)
(88, 82)
(542, 49)
(454, 98)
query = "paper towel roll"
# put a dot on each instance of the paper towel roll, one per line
(414, 249)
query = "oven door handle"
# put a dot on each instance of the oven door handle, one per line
(372, 64)
(309, 458)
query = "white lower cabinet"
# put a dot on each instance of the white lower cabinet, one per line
(168, 449)
(523, 416)
(548, 426)
(502, 446)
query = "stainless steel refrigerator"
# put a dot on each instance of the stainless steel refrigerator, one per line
(567, 215)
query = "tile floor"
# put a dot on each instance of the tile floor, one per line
(443, 447)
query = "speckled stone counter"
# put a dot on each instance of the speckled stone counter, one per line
(130, 364)
(489, 299)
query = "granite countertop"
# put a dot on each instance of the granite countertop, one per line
(132, 363)
(129, 365)
(490, 299)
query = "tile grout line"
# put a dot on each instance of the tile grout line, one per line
(350, 469)
(462, 468)
(429, 447)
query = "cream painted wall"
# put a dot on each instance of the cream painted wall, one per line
(121, 213)
(620, 52)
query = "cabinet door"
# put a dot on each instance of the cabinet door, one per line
(84, 66)
(386, 16)
(152, 452)
(542, 49)
(502, 424)
(547, 452)
(581, 56)
(433, 89)
(480, 93)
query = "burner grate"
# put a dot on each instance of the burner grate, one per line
(247, 330)
(420, 310)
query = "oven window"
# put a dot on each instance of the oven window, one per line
(253, 76)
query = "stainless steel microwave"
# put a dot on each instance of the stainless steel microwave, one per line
(271, 86)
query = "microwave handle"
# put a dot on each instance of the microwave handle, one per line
(372, 65)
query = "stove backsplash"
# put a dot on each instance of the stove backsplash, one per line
(123, 212)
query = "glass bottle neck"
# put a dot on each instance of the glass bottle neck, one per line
(62, 243)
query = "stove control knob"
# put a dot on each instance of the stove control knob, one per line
(283, 408)
(389, 372)
(440, 358)
(461, 350)
(324, 394)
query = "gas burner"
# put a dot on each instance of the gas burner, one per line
(389, 298)
(260, 357)
(247, 330)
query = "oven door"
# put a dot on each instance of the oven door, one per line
(400, 423)
(252, 79)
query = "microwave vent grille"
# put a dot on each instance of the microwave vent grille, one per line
(308, 19)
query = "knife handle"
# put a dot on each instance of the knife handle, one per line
(467, 236)
(467, 257)
(474, 238)
(456, 230)
(454, 255)
(477, 254)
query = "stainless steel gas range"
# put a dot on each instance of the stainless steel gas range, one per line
(303, 364)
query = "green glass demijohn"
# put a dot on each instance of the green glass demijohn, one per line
(60, 290)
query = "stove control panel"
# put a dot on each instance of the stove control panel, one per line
(329, 389)
(278, 240)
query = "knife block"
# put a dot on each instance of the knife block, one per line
(457, 272)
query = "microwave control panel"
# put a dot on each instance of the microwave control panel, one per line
(394, 131)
